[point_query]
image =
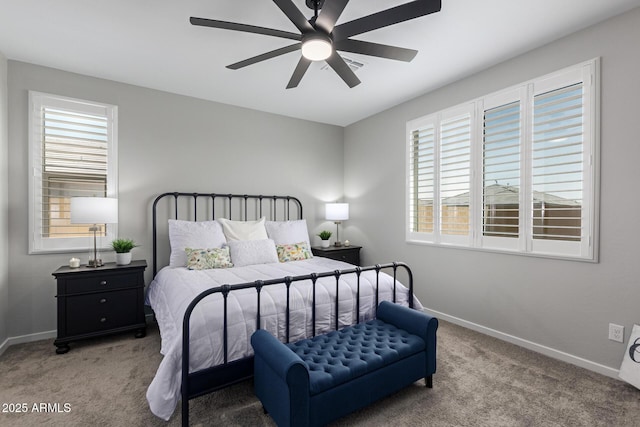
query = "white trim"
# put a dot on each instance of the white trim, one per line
(530, 345)
(26, 338)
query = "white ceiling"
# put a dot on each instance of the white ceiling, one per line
(151, 43)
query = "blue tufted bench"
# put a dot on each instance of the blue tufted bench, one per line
(317, 380)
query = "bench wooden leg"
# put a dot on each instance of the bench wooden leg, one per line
(429, 381)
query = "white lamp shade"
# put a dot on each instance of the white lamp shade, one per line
(337, 211)
(94, 210)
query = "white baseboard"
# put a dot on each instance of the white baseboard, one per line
(538, 348)
(547, 351)
(26, 338)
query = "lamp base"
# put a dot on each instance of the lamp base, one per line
(337, 244)
(94, 263)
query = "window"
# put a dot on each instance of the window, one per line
(512, 171)
(72, 152)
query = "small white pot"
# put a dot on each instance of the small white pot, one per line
(123, 259)
(325, 243)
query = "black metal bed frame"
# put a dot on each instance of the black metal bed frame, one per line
(199, 383)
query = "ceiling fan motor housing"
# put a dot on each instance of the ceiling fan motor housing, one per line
(311, 4)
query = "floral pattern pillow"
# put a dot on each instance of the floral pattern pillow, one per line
(204, 259)
(293, 252)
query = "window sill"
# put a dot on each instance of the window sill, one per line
(504, 252)
(68, 250)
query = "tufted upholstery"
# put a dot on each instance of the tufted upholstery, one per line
(340, 356)
(318, 380)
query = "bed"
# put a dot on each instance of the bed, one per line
(209, 314)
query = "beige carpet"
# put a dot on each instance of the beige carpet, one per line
(480, 381)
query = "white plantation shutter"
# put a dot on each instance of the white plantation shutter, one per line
(564, 163)
(557, 164)
(72, 153)
(501, 171)
(74, 164)
(455, 176)
(513, 171)
(439, 168)
(422, 172)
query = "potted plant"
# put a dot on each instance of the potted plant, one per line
(325, 235)
(123, 250)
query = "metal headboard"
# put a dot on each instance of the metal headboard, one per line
(217, 205)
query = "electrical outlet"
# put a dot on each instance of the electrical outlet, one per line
(616, 332)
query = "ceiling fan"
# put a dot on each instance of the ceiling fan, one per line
(320, 37)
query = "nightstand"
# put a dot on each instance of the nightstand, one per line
(98, 301)
(350, 254)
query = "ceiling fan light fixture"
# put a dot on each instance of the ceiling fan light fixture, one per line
(317, 47)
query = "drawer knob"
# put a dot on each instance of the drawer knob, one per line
(103, 300)
(103, 282)
(103, 320)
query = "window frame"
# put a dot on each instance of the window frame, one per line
(586, 249)
(38, 244)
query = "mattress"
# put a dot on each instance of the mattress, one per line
(174, 288)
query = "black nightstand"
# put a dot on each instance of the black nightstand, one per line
(350, 254)
(98, 301)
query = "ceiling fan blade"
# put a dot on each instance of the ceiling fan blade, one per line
(264, 56)
(301, 68)
(328, 16)
(376, 49)
(401, 13)
(336, 62)
(294, 15)
(213, 23)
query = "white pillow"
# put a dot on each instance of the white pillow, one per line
(243, 230)
(191, 234)
(249, 252)
(288, 232)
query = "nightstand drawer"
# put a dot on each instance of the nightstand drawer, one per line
(101, 283)
(350, 254)
(351, 257)
(102, 311)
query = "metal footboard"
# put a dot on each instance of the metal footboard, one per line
(201, 382)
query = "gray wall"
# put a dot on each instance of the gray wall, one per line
(4, 229)
(565, 306)
(166, 143)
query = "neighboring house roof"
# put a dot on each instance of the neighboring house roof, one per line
(505, 195)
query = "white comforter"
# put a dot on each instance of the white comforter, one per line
(173, 289)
